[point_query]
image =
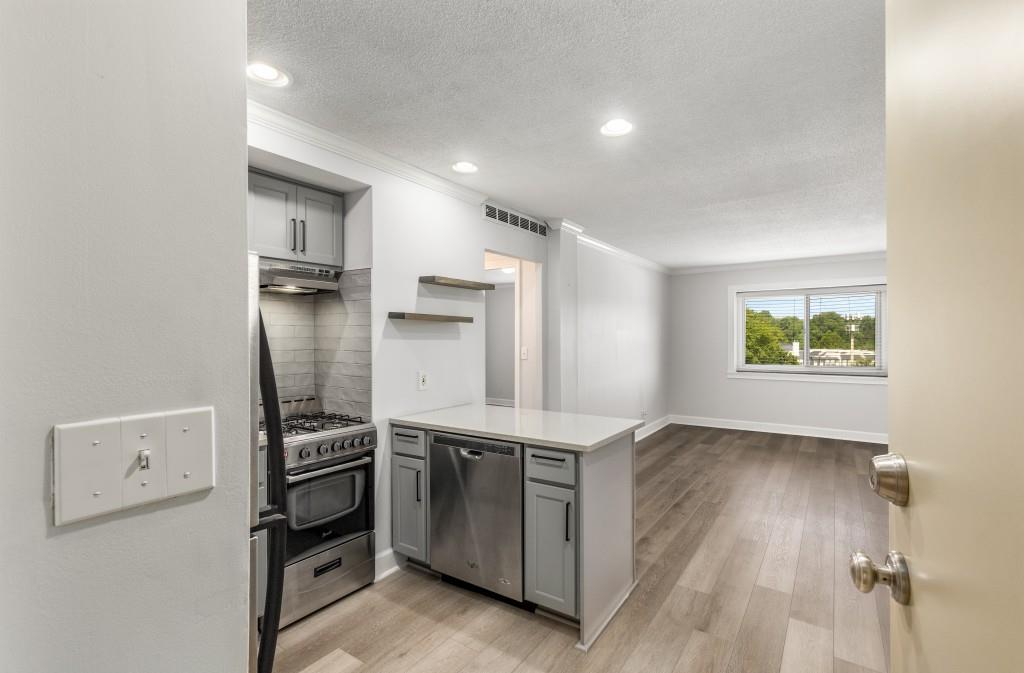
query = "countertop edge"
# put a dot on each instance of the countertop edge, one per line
(532, 441)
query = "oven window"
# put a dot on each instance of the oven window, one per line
(324, 499)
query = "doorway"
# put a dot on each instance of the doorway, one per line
(513, 327)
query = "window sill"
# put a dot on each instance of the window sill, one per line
(811, 378)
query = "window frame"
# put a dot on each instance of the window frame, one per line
(740, 369)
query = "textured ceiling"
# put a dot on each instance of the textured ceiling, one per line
(759, 125)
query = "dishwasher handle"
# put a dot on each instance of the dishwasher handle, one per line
(471, 454)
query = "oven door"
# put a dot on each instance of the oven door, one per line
(323, 495)
(328, 504)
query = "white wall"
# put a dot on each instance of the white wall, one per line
(417, 231)
(501, 342)
(701, 344)
(622, 332)
(123, 262)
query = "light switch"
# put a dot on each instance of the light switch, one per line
(86, 469)
(190, 451)
(143, 459)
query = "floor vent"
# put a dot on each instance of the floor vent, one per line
(497, 214)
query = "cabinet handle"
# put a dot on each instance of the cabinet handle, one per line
(567, 506)
(292, 235)
(303, 223)
(537, 457)
(419, 498)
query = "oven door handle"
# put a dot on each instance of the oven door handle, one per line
(327, 470)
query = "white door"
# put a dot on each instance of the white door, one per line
(955, 198)
(319, 227)
(272, 216)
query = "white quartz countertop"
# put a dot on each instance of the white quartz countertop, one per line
(554, 429)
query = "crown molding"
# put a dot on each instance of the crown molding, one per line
(279, 122)
(619, 252)
(777, 263)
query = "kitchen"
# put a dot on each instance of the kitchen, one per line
(744, 241)
(316, 321)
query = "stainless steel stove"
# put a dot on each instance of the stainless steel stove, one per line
(329, 479)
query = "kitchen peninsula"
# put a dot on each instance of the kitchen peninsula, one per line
(534, 505)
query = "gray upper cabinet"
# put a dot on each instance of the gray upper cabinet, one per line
(273, 217)
(549, 547)
(295, 223)
(409, 507)
(320, 227)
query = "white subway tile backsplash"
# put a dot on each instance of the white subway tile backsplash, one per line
(321, 345)
(286, 318)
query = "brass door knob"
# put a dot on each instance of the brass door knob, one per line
(895, 574)
(888, 477)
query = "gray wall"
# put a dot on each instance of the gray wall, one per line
(701, 343)
(123, 258)
(500, 316)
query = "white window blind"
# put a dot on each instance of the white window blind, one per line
(837, 330)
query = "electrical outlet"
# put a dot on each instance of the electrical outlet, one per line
(643, 414)
(421, 380)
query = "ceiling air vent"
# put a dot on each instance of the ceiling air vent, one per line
(505, 216)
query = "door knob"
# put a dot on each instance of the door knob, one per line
(888, 477)
(895, 574)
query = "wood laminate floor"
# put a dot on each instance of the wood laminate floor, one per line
(741, 547)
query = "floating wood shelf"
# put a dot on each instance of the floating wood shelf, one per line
(445, 281)
(428, 317)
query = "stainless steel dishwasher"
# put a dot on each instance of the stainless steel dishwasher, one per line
(476, 512)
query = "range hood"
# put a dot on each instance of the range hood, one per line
(294, 278)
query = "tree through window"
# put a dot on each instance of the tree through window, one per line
(832, 330)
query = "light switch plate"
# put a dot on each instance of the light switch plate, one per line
(143, 433)
(190, 451)
(86, 469)
(421, 380)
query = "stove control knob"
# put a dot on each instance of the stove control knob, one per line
(337, 445)
(304, 452)
(348, 443)
(324, 449)
(367, 440)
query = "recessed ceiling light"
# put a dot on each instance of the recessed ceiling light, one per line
(267, 74)
(616, 127)
(509, 269)
(465, 167)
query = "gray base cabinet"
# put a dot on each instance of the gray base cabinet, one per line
(409, 507)
(550, 547)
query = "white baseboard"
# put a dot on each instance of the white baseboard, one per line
(652, 428)
(385, 564)
(782, 429)
(500, 402)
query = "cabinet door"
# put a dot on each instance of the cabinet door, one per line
(550, 547)
(272, 212)
(320, 227)
(409, 507)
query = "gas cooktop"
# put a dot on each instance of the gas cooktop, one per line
(323, 435)
(322, 421)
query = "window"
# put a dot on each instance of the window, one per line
(836, 330)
